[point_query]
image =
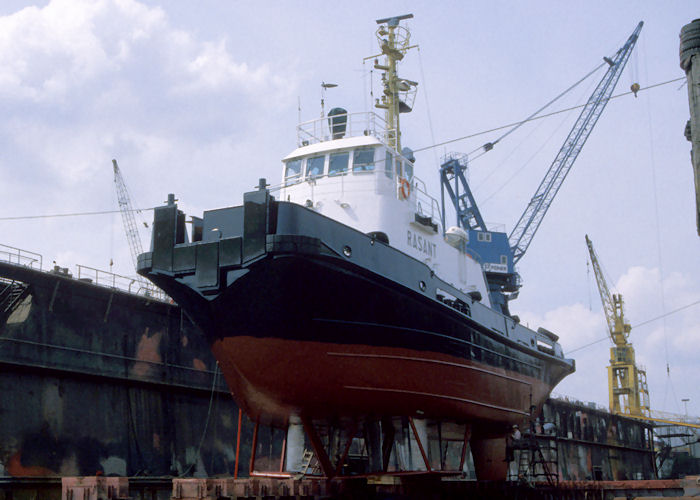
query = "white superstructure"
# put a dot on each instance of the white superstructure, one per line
(344, 169)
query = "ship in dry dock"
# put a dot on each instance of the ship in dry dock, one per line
(343, 298)
(69, 338)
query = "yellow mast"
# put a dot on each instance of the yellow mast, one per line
(627, 383)
(394, 43)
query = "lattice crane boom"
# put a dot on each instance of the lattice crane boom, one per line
(613, 304)
(127, 214)
(530, 220)
(627, 382)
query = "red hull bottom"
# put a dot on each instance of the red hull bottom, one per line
(274, 379)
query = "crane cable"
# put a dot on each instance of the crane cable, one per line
(427, 104)
(74, 214)
(637, 325)
(425, 148)
(657, 223)
(553, 113)
(489, 145)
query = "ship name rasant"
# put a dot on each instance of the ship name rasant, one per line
(422, 244)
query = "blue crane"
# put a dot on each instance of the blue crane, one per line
(497, 252)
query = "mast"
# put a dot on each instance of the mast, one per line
(394, 43)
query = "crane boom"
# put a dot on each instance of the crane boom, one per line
(627, 382)
(612, 303)
(127, 214)
(530, 220)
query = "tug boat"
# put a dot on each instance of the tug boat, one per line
(339, 297)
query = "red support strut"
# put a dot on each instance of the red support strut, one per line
(420, 445)
(465, 445)
(317, 445)
(254, 447)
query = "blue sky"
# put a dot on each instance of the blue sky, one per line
(201, 99)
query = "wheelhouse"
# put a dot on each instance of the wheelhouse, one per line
(358, 148)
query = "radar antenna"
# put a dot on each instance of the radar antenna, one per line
(399, 93)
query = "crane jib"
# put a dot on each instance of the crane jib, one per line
(529, 222)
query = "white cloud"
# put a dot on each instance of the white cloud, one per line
(45, 53)
(646, 299)
(82, 82)
(48, 54)
(673, 341)
(213, 68)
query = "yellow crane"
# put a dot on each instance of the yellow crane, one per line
(627, 383)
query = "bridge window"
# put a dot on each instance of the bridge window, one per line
(339, 163)
(314, 166)
(388, 166)
(363, 160)
(292, 173)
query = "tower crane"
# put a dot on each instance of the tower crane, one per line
(497, 252)
(627, 383)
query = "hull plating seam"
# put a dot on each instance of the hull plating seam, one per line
(434, 334)
(426, 360)
(439, 396)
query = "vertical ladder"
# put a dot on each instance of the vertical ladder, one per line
(536, 461)
(546, 466)
(306, 459)
(523, 471)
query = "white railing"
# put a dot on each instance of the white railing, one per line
(137, 286)
(20, 257)
(425, 204)
(357, 124)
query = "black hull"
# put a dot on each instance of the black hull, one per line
(298, 286)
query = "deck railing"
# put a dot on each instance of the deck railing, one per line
(135, 285)
(20, 257)
(357, 124)
(425, 204)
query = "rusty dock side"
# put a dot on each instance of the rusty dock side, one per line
(426, 487)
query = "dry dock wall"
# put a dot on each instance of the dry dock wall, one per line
(96, 380)
(592, 444)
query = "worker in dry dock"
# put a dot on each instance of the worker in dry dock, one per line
(512, 442)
